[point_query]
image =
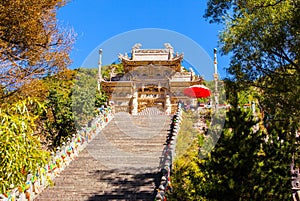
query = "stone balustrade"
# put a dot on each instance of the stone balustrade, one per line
(44, 176)
(168, 155)
(295, 182)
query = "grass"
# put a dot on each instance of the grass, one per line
(187, 133)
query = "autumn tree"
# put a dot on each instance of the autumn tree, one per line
(31, 43)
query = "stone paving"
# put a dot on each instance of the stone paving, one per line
(121, 163)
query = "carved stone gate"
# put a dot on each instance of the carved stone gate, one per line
(152, 77)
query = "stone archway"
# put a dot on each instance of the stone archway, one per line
(152, 96)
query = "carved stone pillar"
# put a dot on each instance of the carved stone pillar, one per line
(168, 106)
(134, 110)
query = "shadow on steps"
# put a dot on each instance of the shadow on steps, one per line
(123, 185)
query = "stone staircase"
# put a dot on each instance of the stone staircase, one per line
(121, 163)
(151, 111)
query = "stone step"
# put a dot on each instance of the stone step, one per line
(120, 163)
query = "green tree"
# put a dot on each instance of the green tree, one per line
(246, 164)
(112, 70)
(100, 99)
(62, 124)
(20, 149)
(263, 38)
(84, 96)
(58, 121)
(69, 96)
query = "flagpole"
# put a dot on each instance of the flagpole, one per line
(99, 70)
(216, 77)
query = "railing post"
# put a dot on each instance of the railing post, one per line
(168, 156)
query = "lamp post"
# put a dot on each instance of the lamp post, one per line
(99, 70)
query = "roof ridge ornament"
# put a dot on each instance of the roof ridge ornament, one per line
(171, 50)
(137, 46)
(168, 46)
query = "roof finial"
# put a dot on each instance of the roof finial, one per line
(137, 46)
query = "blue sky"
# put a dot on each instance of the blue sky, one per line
(117, 24)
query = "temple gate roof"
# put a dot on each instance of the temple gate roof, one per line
(142, 57)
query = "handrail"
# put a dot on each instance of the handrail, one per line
(44, 176)
(168, 155)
